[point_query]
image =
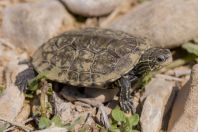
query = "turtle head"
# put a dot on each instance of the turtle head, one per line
(156, 58)
(152, 59)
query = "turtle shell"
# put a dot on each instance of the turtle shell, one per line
(89, 57)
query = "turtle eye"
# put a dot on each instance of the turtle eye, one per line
(161, 58)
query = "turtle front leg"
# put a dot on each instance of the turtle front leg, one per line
(23, 77)
(125, 94)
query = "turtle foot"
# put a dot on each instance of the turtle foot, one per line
(23, 77)
(127, 105)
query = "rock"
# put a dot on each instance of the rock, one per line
(168, 23)
(2, 74)
(54, 129)
(156, 97)
(63, 108)
(184, 117)
(94, 97)
(69, 112)
(11, 99)
(102, 95)
(29, 25)
(91, 7)
(123, 8)
(24, 113)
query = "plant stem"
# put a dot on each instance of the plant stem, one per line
(180, 62)
(44, 97)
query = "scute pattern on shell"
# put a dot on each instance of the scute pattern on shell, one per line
(89, 57)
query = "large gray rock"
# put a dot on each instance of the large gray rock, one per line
(11, 99)
(156, 96)
(168, 22)
(29, 25)
(91, 7)
(184, 117)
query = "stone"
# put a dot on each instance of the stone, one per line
(168, 23)
(155, 98)
(91, 7)
(24, 113)
(11, 99)
(53, 129)
(184, 116)
(101, 95)
(29, 25)
(63, 108)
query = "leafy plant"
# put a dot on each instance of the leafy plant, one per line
(84, 129)
(33, 84)
(57, 121)
(122, 123)
(70, 126)
(145, 79)
(192, 54)
(191, 48)
(118, 115)
(45, 122)
(1, 90)
(141, 1)
(1, 129)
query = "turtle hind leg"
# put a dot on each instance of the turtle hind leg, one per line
(23, 77)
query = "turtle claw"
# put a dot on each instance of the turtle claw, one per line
(127, 105)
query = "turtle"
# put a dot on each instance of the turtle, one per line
(96, 58)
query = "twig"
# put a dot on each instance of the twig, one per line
(9, 129)
(100, 106)
(171, 78)
(86, 119)
(13, 127)
(27, 129)
(179, 62)
(104, 117)
(182, 73)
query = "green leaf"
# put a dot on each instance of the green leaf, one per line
(71, 126)
(127, 128)
(135, 131)
(114, 129)
(195, 40)
(191, 48)
(118, 115)
(1, 88)
(134, 119)
(33, 84)
(50, 89)
(141, 1)
(1, 129)
(30, 96)
(44, 122)
(84, 129)
(57, 121)
(144, 80)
